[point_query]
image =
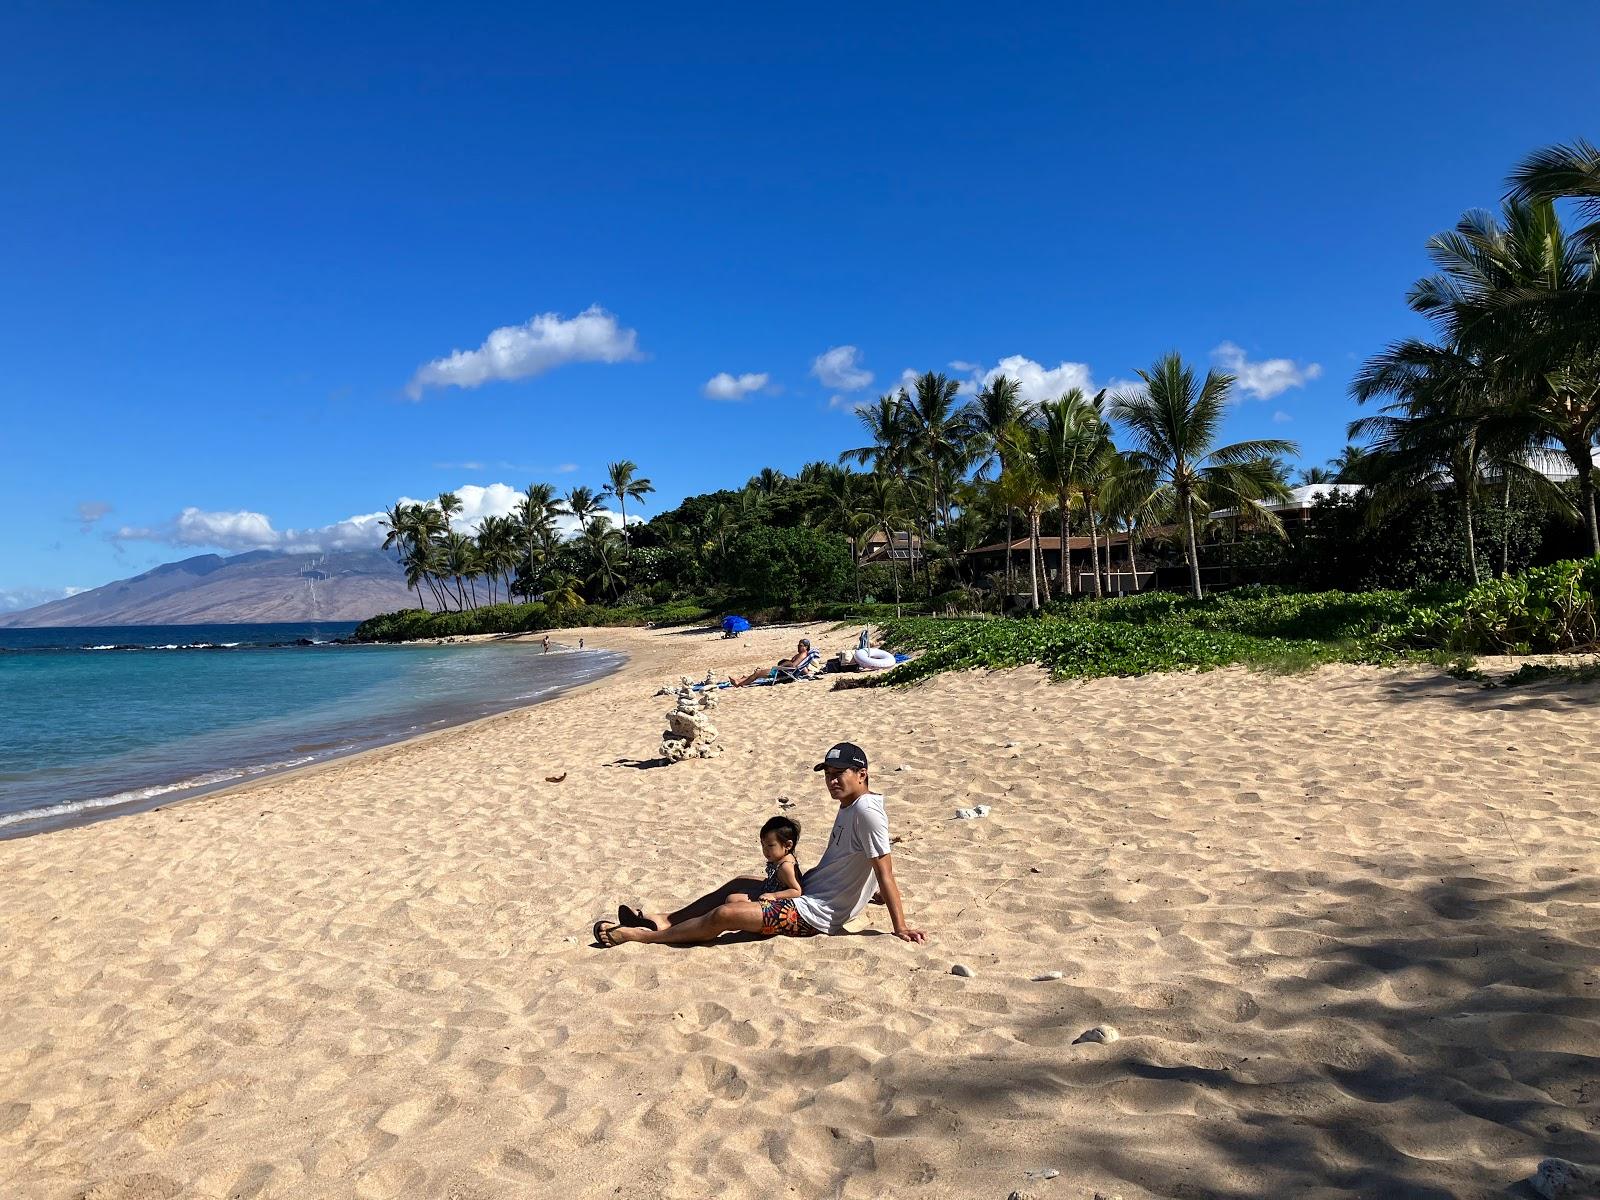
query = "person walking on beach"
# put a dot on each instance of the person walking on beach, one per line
(856, 864)
(547, 643)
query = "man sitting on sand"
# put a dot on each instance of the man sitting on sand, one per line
(855, 865)
(801, 652)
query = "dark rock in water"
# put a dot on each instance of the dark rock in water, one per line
(304, 642)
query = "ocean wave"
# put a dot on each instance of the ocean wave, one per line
(155, 646)
(68, 808)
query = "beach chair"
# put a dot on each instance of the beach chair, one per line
(809, 667)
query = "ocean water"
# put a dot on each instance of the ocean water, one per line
(95, 722)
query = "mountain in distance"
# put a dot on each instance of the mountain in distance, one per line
(258, 587)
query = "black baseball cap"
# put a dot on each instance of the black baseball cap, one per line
(844, 755)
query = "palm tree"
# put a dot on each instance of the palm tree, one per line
(1175, 421)
(843, 510)
(1130, 502)
(498, 546)
(1029, 489)
(1443, 423)
(885, 424)
(769, 481)
(561, 591)
(883, 508)
(605, 548)
(582, 504)
(536, 514)
(429, 525)
(1073, 439)
(1014, 490)
(720, 520)
(398, 536)
(449, 504)
(1312, 475)
(1522, 297)
(984, 422)
(934, 432)
(1350, 465)
(419, 563)
(1104, 465)
(1563, 171)
(625, 485)
(458, 561)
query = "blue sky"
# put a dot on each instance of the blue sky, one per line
(236, 236)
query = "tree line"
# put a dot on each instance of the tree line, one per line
(1512, 373)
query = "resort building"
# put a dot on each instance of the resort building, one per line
(880, 547)
(1116, 567)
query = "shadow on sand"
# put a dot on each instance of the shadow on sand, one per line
(1428, 1040)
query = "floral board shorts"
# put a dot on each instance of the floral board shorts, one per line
(781, 916)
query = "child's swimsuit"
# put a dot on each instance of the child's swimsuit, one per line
(773, 882)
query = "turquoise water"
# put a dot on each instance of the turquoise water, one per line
(95, 722)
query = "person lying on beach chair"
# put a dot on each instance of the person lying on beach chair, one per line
(856, 865)
(804, 659)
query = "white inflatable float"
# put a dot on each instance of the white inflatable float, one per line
(870, 659)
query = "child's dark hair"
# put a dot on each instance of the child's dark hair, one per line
(787, 829)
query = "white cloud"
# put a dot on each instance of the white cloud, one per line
(840, 368)
(964, 368)
(723, 386)
(1281, 418)
(566, 468)
(1037, 382)
(520, 351)
(91, 511)
(243, 530)
(567, 526)
(1267, 378)
(18, 598)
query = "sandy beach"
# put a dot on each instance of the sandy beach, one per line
(1347, 924)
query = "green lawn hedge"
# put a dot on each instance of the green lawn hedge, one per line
(411, 624)
(1545, 609)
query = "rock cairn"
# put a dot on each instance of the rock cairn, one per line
(690, 733)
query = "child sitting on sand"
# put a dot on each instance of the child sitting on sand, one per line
(782, 881)
(778, 838)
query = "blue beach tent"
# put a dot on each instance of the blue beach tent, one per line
(733, 626)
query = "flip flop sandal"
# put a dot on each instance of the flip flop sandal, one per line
(602, 934)
(634, 919)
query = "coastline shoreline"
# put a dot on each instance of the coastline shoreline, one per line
(94, 814)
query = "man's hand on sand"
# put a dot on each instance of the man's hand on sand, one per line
(910, 935)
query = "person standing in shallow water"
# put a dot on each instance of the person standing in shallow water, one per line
(856, 864)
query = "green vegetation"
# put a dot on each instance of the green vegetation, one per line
(1479, 464)
(795, 567)
(1554, 608)
(411, 624)
(1262, 627)
(1543, 610)
(1529, 673)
